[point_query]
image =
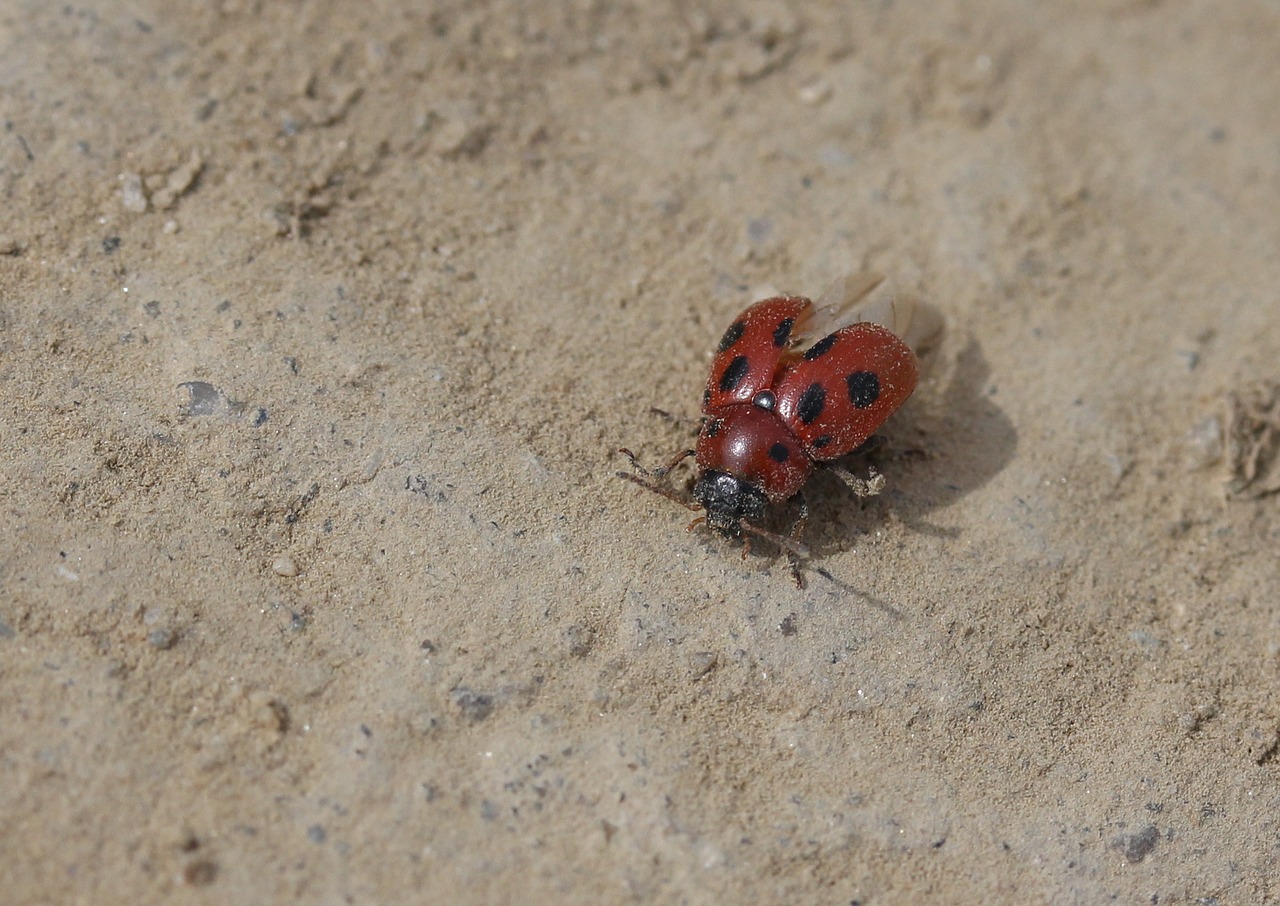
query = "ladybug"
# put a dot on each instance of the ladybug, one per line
(777, 407)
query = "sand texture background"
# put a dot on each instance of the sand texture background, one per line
(321, 323)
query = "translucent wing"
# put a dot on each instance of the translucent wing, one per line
(844, 387)
(869, 297)
(751, 350)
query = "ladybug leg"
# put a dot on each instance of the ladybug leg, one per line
(796, 575)
(635, 463)
(675, 461)
(746, 547)
(701, 520)
(797, 528)
(645, 478)
(655, 473)
(797, 532)
(870, 486)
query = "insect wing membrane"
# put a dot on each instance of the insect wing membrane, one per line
(869, 297)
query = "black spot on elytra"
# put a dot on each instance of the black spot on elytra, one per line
(864, 388)
(783, 332)
(713, 427)
(821, 441)
(779, 452)
(734, 374)
(820, 348)
(811, 403)
(706, 398)
(731, 336)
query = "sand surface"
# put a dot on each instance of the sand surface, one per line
(321, 324)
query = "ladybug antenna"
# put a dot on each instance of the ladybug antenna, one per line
(797, 553)
(790, 545)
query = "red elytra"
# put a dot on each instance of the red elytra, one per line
(774, 409)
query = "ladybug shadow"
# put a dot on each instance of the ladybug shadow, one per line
(936, 451)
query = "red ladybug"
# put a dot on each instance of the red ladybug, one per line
(774, 411)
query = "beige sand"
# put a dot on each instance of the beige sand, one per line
(320, 325)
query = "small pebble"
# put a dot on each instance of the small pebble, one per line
(132, 195)
(200, 873)
(178, 181)
(205, 398)
(701, 663)
(162, 638)
(1204, 443)
(284, 566)
(815, 93)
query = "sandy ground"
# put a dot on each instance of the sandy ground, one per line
(320, 325)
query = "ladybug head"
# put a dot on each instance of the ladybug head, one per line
(728, 501)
